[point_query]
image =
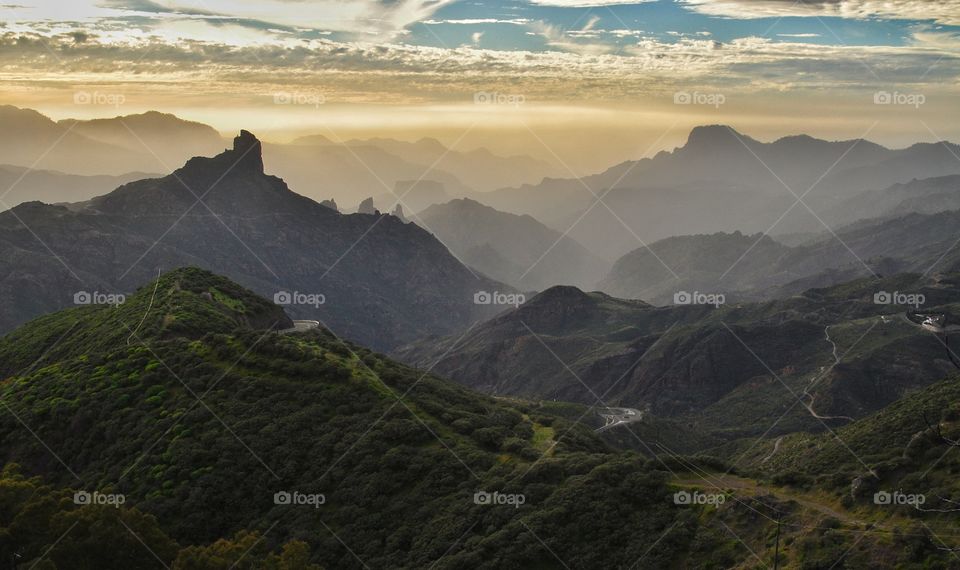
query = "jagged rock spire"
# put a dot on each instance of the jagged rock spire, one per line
(248, 151)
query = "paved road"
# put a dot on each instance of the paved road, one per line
(619, 416)
(300, 326)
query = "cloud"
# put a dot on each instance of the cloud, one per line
(374, 63)
(478, 21)
(380, 71)
(941, 11)
(381, 17)
(576, 41)
(587, 3)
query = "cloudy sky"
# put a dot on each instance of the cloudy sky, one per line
(628, 78)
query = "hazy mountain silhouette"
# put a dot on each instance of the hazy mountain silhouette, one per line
(149, 142)
(925, 196)
(42, 143)
(757, 266)
(479, 168)
(165, 137)
(22, 184)
(721, 180)
(514, 249)
(352, 171)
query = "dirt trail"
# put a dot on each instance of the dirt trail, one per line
(818, 376)
(776, 448)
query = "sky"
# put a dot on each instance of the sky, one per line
(585, 83)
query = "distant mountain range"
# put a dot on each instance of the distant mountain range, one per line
(924, 196)
(371, 279)
(758, 267)
(722, 180)
(20, 184)
(149, 142)
(514, 249)
(314, 166)
(479, 169)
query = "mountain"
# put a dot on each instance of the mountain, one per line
(718, 263)
(479, 168)
(924, 196)
(758, 267)
(26, 185)
(372, 279)
(724, 369)
(149, 142)
(350, 175)
(413, 195)
(168, 139)
(517, 250)
(42, 143)
(721, 180)
(899, 462)
(204, 431)
(319, 168)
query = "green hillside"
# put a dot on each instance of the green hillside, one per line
(203, 415)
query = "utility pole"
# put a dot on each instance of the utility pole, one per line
(776, 555)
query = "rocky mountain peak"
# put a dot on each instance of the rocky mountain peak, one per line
(712, 137)
(248, 152)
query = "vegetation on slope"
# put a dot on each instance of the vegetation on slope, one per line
(200, 420)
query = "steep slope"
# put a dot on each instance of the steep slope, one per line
(514, 249)
(376, 280)
(202, 419)
(892, 473)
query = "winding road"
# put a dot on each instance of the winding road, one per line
(300, 326)
(619, 416)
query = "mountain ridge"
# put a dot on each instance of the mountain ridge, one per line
(384, 281)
